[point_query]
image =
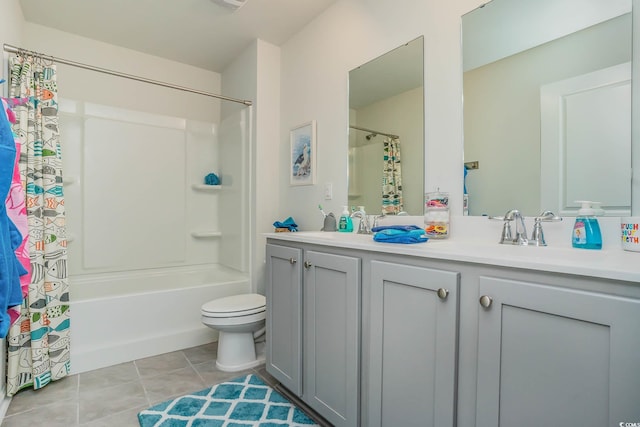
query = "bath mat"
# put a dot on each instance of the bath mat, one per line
(242, 402)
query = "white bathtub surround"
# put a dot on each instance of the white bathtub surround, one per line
(151, 244)
(119, 317)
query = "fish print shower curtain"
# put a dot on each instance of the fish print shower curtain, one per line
(392, 202)
(38, 343)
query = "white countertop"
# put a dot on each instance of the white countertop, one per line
(609, 263)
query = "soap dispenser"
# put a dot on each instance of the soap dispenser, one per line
(345, 224)
(586, 230)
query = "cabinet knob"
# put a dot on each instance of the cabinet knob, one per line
(292, 260)
(307, 264)
(443, 293)
(486, 301)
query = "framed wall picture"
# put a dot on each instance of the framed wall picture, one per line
(302, 169)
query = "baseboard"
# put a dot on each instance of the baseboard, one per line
(83, 360)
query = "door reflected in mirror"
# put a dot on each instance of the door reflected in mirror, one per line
(386, 132)
(547, 105)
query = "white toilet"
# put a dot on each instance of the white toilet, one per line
(239, 319)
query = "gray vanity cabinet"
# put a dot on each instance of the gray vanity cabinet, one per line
(284, 316)
(554, 356)
(313, 329)
(331, 349)
(412, 365)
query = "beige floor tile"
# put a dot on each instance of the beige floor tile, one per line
(107, 401)
(59, 414)
(63, 389)
(127, 418)
(161, 364)
(201, 354)
(107, 377)
(212, 375)
(113, 396)
(163, 387)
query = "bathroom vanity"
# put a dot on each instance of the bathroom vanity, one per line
(446, 333)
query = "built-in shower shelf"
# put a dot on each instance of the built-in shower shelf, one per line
(205, 234)
(206, 187)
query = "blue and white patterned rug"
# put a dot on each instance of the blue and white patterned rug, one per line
(242, 402)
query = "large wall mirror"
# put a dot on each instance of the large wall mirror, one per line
(386, 132)
(547, 105)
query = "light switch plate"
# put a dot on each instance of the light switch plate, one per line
(328, 191)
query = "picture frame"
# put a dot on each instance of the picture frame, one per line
(302, 164)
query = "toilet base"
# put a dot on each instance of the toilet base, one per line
(237, 352)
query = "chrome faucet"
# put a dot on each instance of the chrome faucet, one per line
(363, 227)
(537, 236)
(377, 219)
(520, 237)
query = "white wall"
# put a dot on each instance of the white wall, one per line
(315, 66)
(255, 75)
(76, 83)
(11, 27)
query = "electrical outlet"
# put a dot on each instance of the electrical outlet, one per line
(328, 191)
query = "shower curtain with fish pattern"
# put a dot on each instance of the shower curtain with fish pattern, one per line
(392, 202)
(38, 343)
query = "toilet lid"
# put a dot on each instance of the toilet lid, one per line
(236, 305)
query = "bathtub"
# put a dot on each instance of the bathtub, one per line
(123, 316)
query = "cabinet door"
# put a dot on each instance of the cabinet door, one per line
(331, 336)
(284, 316)
(550, 356)
(414, 312)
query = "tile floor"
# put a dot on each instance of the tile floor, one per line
(113, 396)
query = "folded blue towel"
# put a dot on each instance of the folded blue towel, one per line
(396, 227)
(287, 223)
(212, 179)
(391, 235)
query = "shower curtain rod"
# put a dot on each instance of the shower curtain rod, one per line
(13, 49)
(376, 132)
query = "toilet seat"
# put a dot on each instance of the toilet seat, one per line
(235, 306)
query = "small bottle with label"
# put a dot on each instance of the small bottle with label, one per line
(586, 230)
(345, 224)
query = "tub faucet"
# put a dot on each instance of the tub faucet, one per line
(363, 227)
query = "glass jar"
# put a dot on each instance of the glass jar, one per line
(436, 215)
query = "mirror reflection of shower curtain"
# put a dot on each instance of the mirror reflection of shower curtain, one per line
(392, 202)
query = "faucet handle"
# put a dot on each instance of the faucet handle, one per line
(548, 216)
(537, 236)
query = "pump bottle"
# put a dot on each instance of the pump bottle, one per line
(345, 224)
(586, 230)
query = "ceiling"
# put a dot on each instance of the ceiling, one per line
(195, 32)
